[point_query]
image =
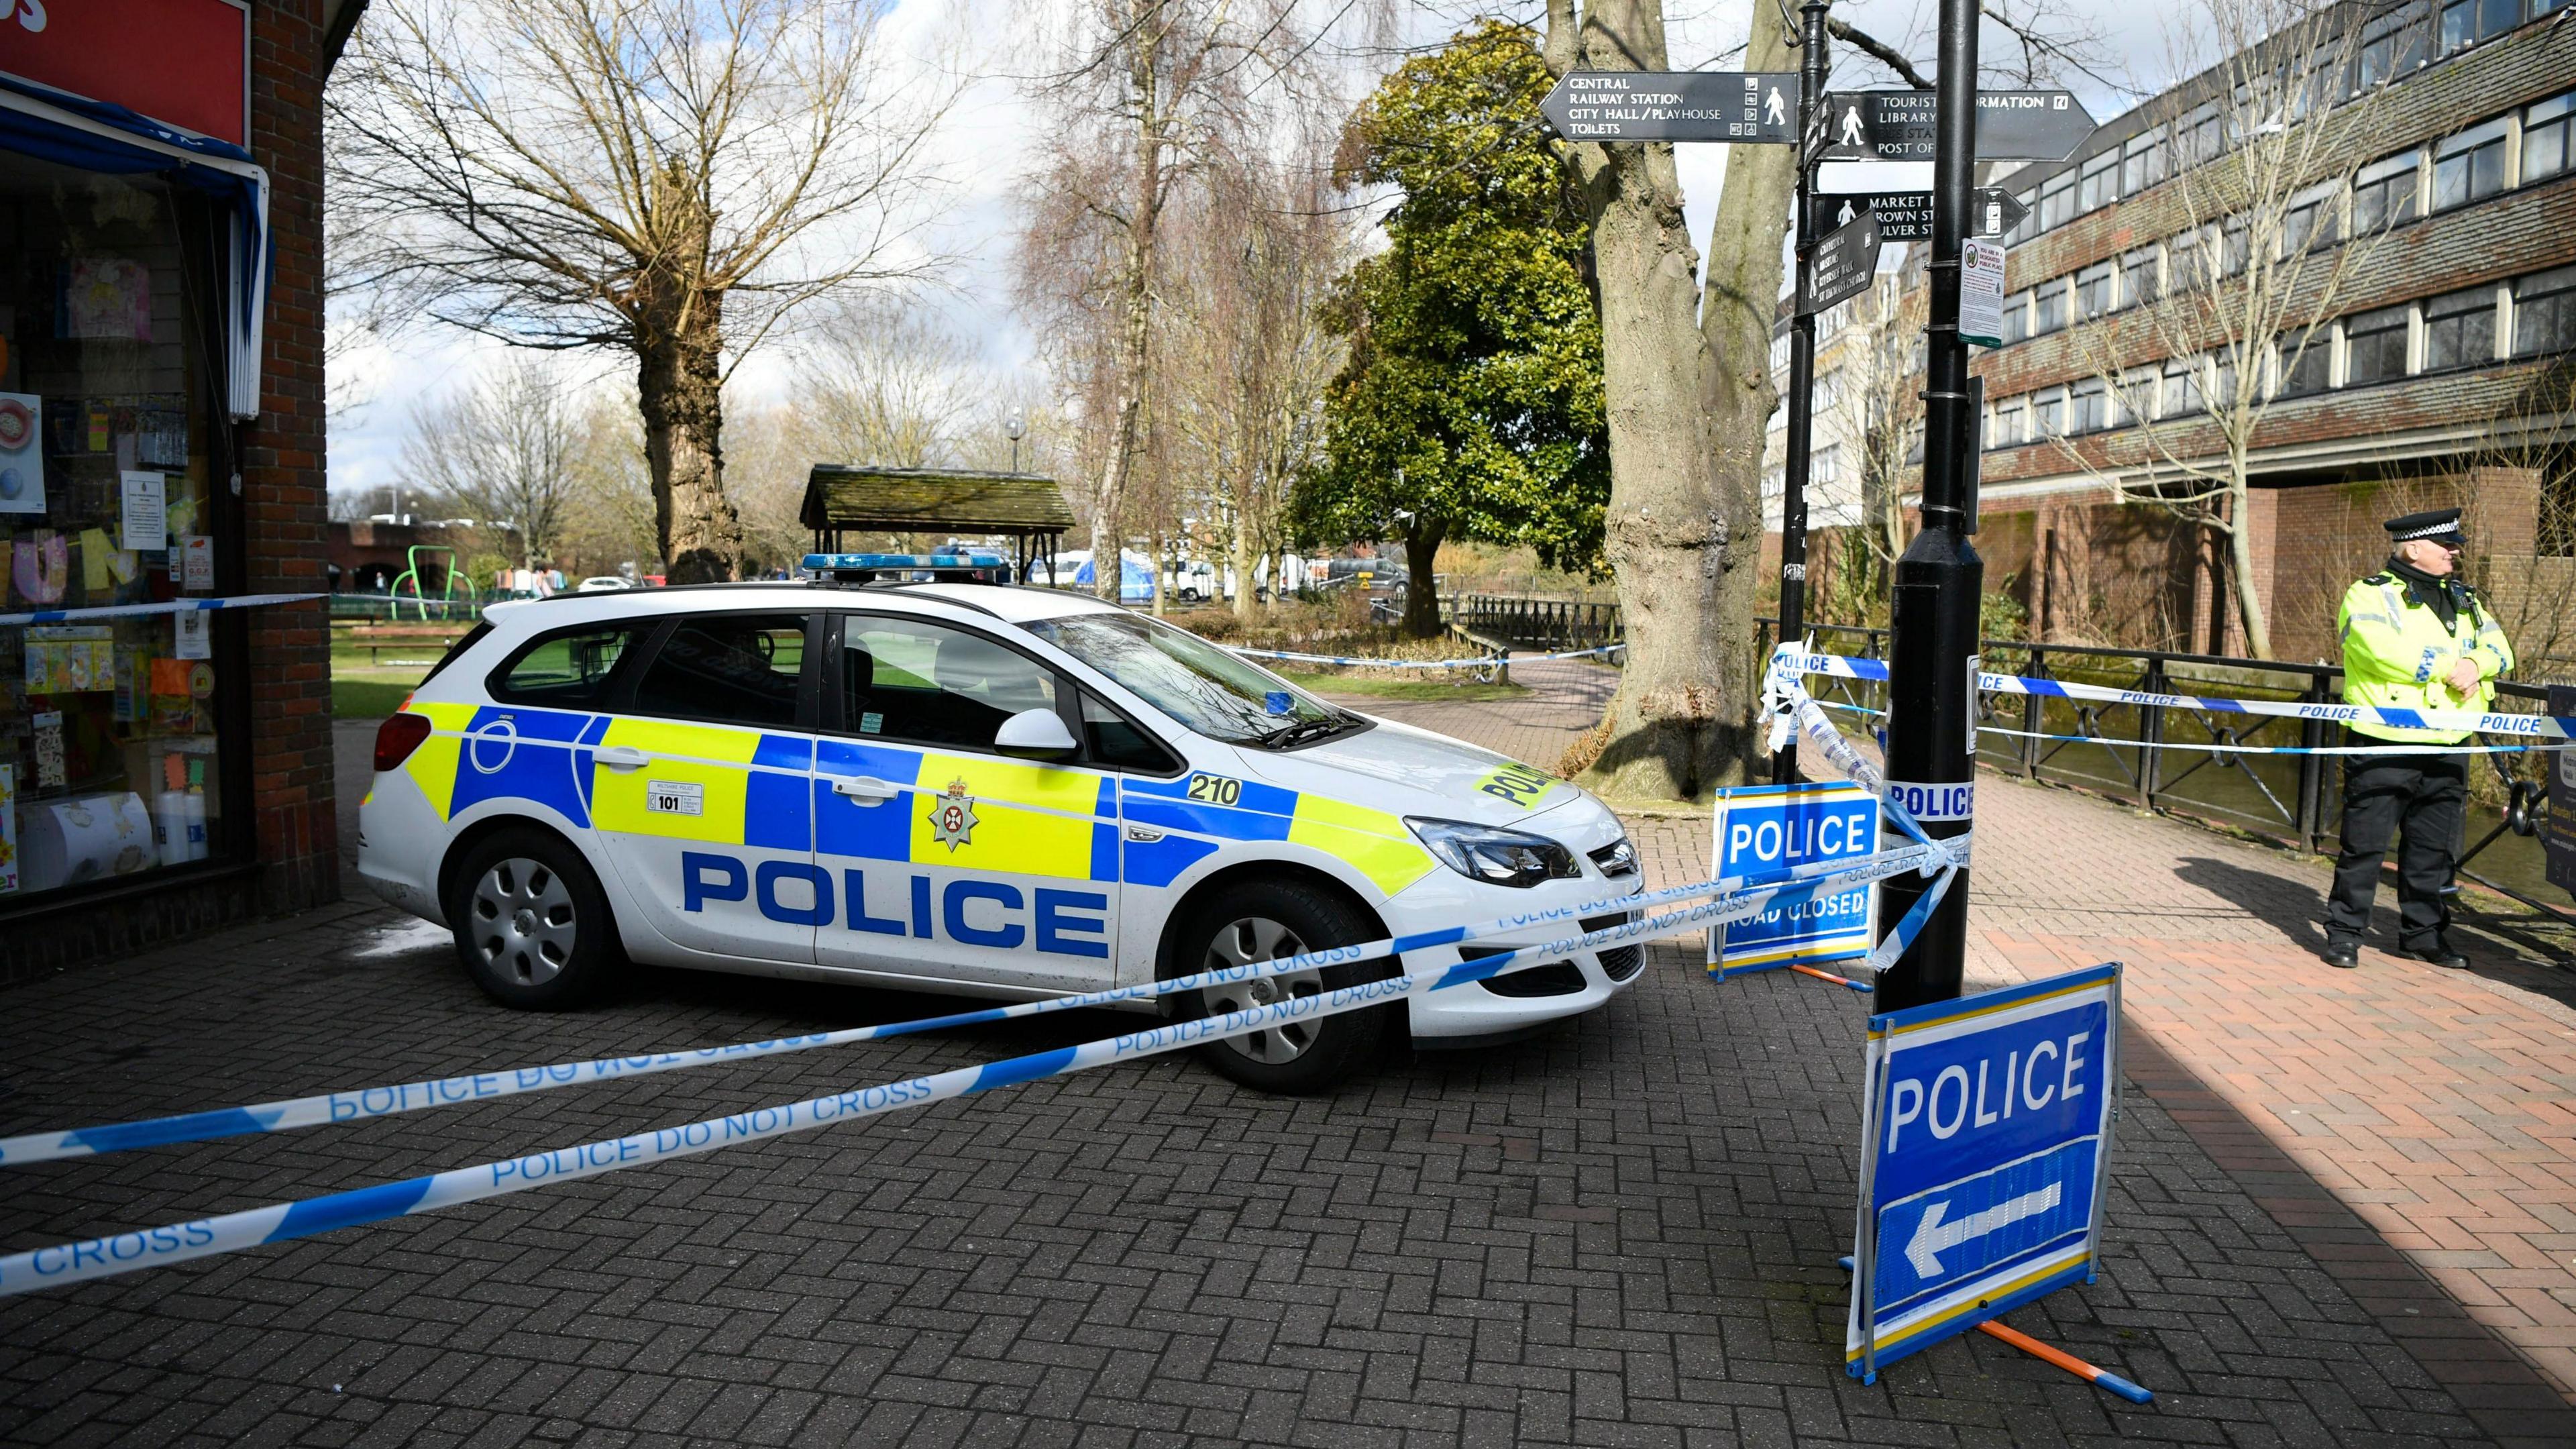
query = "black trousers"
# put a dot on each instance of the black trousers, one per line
(2421, 798)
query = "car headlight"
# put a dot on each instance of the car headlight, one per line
(1493, 855)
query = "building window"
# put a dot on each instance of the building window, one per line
(2181, 397)
(2235, 244)
(2196, 137)
(2029, 225)
(2184, 270)
(2048, 414)
(2465, 22)
(2136, 401)
(2310, 221)
(2544, 313)
(2383, 194)
(2307, 360)
(2375, 346)
(2098, 182)
(2057, 201)
(2546, 129)
(2048, 307)
(2142, 162)
(2016, 315)
(2469, 166)
(2138, 277)
(2093, 290)
(2390, 46)
(2088, 406)
(2006, 432)
(2460, 329)
(1825, 464)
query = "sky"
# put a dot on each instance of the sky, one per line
(985, 147)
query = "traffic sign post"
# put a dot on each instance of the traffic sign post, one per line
(1756, 107)
(1769, 827)
(1813, 64)
(2039, 125)
(1985, 1145)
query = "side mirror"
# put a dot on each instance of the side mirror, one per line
(1035, 734)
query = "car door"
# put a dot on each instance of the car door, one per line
(952, 861)
(703, 785)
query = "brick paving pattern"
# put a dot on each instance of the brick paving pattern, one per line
(1622, 1232)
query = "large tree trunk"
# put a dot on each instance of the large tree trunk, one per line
(680, 387)
(1682, 557)
(1422, 589)
(1240, 557)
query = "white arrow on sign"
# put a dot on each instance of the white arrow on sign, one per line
(1933, 1236)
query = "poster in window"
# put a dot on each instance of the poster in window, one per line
(107, 297)
(190, 639)
(8, 829)
(22, 456)
(145, 525)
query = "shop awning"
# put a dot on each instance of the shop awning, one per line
(69, 130)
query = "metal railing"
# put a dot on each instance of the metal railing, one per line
(2127, 751)
(1535, 623)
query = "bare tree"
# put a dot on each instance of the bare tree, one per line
(887, 384)
(2263, 246)
(668, 177)
(1869, 408)
(500, 450)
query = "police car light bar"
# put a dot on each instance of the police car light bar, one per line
(822, 563)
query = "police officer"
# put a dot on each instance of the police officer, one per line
(2415, 636)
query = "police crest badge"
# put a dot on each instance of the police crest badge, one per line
(952, 817)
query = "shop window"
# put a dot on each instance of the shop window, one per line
(2469, 166)
(2459, 329)
(115, 753)
(2093, 290)
(2098, 182)
(740, 669)
(2546, 131)
(2307, 361)
(2544, 313)
(2375, 346)
(2383, 194)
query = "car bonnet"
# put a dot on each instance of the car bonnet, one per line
(1407, 771)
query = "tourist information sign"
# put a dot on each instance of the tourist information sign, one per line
(1899, 125)
(1985, 1138)
(1845, 261)
(1760, 107)
(1902, 215)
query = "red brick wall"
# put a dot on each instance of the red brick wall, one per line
(282, 477)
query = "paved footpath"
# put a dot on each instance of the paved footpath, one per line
(1619, 1233)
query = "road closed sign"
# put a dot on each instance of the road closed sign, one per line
(1773, 827)
(1986, 1133)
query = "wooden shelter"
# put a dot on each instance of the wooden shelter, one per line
(1026, 508)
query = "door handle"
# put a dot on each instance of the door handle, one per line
(867, 789)
(623, 757)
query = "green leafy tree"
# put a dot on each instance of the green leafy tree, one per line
(1470, 406)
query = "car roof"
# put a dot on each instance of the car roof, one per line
(1016, 605)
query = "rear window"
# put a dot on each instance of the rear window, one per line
(457, 650)
(568, 669)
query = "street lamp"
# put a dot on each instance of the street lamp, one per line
(1015, 426)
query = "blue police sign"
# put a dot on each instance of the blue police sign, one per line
(1772, 827)
(1986, 1132)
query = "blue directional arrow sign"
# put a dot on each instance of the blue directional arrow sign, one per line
(1986, 1132)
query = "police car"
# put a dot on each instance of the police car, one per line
(1004, 792)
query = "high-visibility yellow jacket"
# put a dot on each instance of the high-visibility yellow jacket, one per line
(2397, 655)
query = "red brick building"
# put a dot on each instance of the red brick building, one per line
(165, 733)
(2436, 374)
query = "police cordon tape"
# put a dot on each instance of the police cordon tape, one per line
(2214, 748)
(116, 1253)
(165, 606)
(1481, 661)
(2542, 726)
(368, 1103)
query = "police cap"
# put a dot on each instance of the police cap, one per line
(2441, 525)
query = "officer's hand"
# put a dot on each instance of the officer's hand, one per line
(2463, 676)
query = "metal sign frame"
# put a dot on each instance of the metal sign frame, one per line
(1993, 1290)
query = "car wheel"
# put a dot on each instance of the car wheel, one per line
(531, 923)
(1264, 922)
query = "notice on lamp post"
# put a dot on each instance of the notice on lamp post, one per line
(1981, 292)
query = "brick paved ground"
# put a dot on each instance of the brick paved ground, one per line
(1621, 1233)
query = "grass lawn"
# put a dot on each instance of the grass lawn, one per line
(1465, 692)
(370, 693)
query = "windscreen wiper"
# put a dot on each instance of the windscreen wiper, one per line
(1304, 729)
